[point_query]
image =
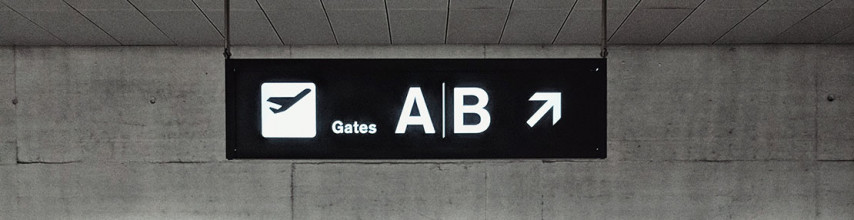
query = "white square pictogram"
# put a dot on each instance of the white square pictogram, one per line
(288, 110)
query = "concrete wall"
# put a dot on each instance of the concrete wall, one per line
(694, 132)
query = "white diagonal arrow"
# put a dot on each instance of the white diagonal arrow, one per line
(552, 102)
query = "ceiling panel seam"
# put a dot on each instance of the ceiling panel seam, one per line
(501, 36)
(624, 20)
(837, 33)
(208, 18)
(447, 21)
(571, 9)
(799, 21)
(388, 22)
(323, 6)
(152, 23)
(93, 23)
(680, 22)
(739, 22)
(270, 22)
(34, 23)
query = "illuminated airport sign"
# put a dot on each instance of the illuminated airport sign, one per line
(415, 108)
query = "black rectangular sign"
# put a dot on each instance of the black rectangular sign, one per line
(415, 108)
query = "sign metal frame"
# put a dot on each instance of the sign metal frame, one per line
(374, 90)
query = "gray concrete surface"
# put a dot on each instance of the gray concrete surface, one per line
(8, 191)
(836, 190)
(694, 132)
(8, 136)
(152, 191)
(836, 118)
(124, 104)
(577, 190)
(682, 190)
(713, 103)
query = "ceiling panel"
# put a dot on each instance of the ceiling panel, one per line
(302, 26)
(652, 21)
(771, 19)
(296, 22)
(280, 5)
(543, 4)
(249, 25)
(533, 26)
(584, 26)
(584, 23)
(71, 27)
(762, 26)
(711, 20)
(535, 21)
(35, 5)
(181, 21)
(649, 26)
(17, 30)
(612, 4)
(251, 28)
(351, 4)
(242, 5)
(821, 24)
(164, 5)
(476, 21)
(476, 26)
(59, 19)
(794, 4)
(418, 26)
(98, 4)
(480, 4)
(417, 4)
(186, 27)
(669, 4)
(846, 36)
(288, 4)
(359, 26)
(732, 4)
(116, 18)
(117, 23)
(418, 21)
(299, 22)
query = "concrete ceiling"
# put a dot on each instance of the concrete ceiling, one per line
(285, 22)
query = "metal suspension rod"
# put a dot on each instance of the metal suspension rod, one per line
(604, 52)
(227, 11)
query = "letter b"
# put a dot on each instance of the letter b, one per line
(478, 108)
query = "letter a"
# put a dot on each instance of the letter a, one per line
(415, 97)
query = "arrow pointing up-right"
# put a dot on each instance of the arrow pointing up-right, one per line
(552, 102)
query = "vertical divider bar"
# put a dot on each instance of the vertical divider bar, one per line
(443, 110)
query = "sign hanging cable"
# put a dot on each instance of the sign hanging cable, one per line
(604, 52)
(227, 11)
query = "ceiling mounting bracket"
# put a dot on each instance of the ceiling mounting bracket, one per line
(604, 52)
(227, 11)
